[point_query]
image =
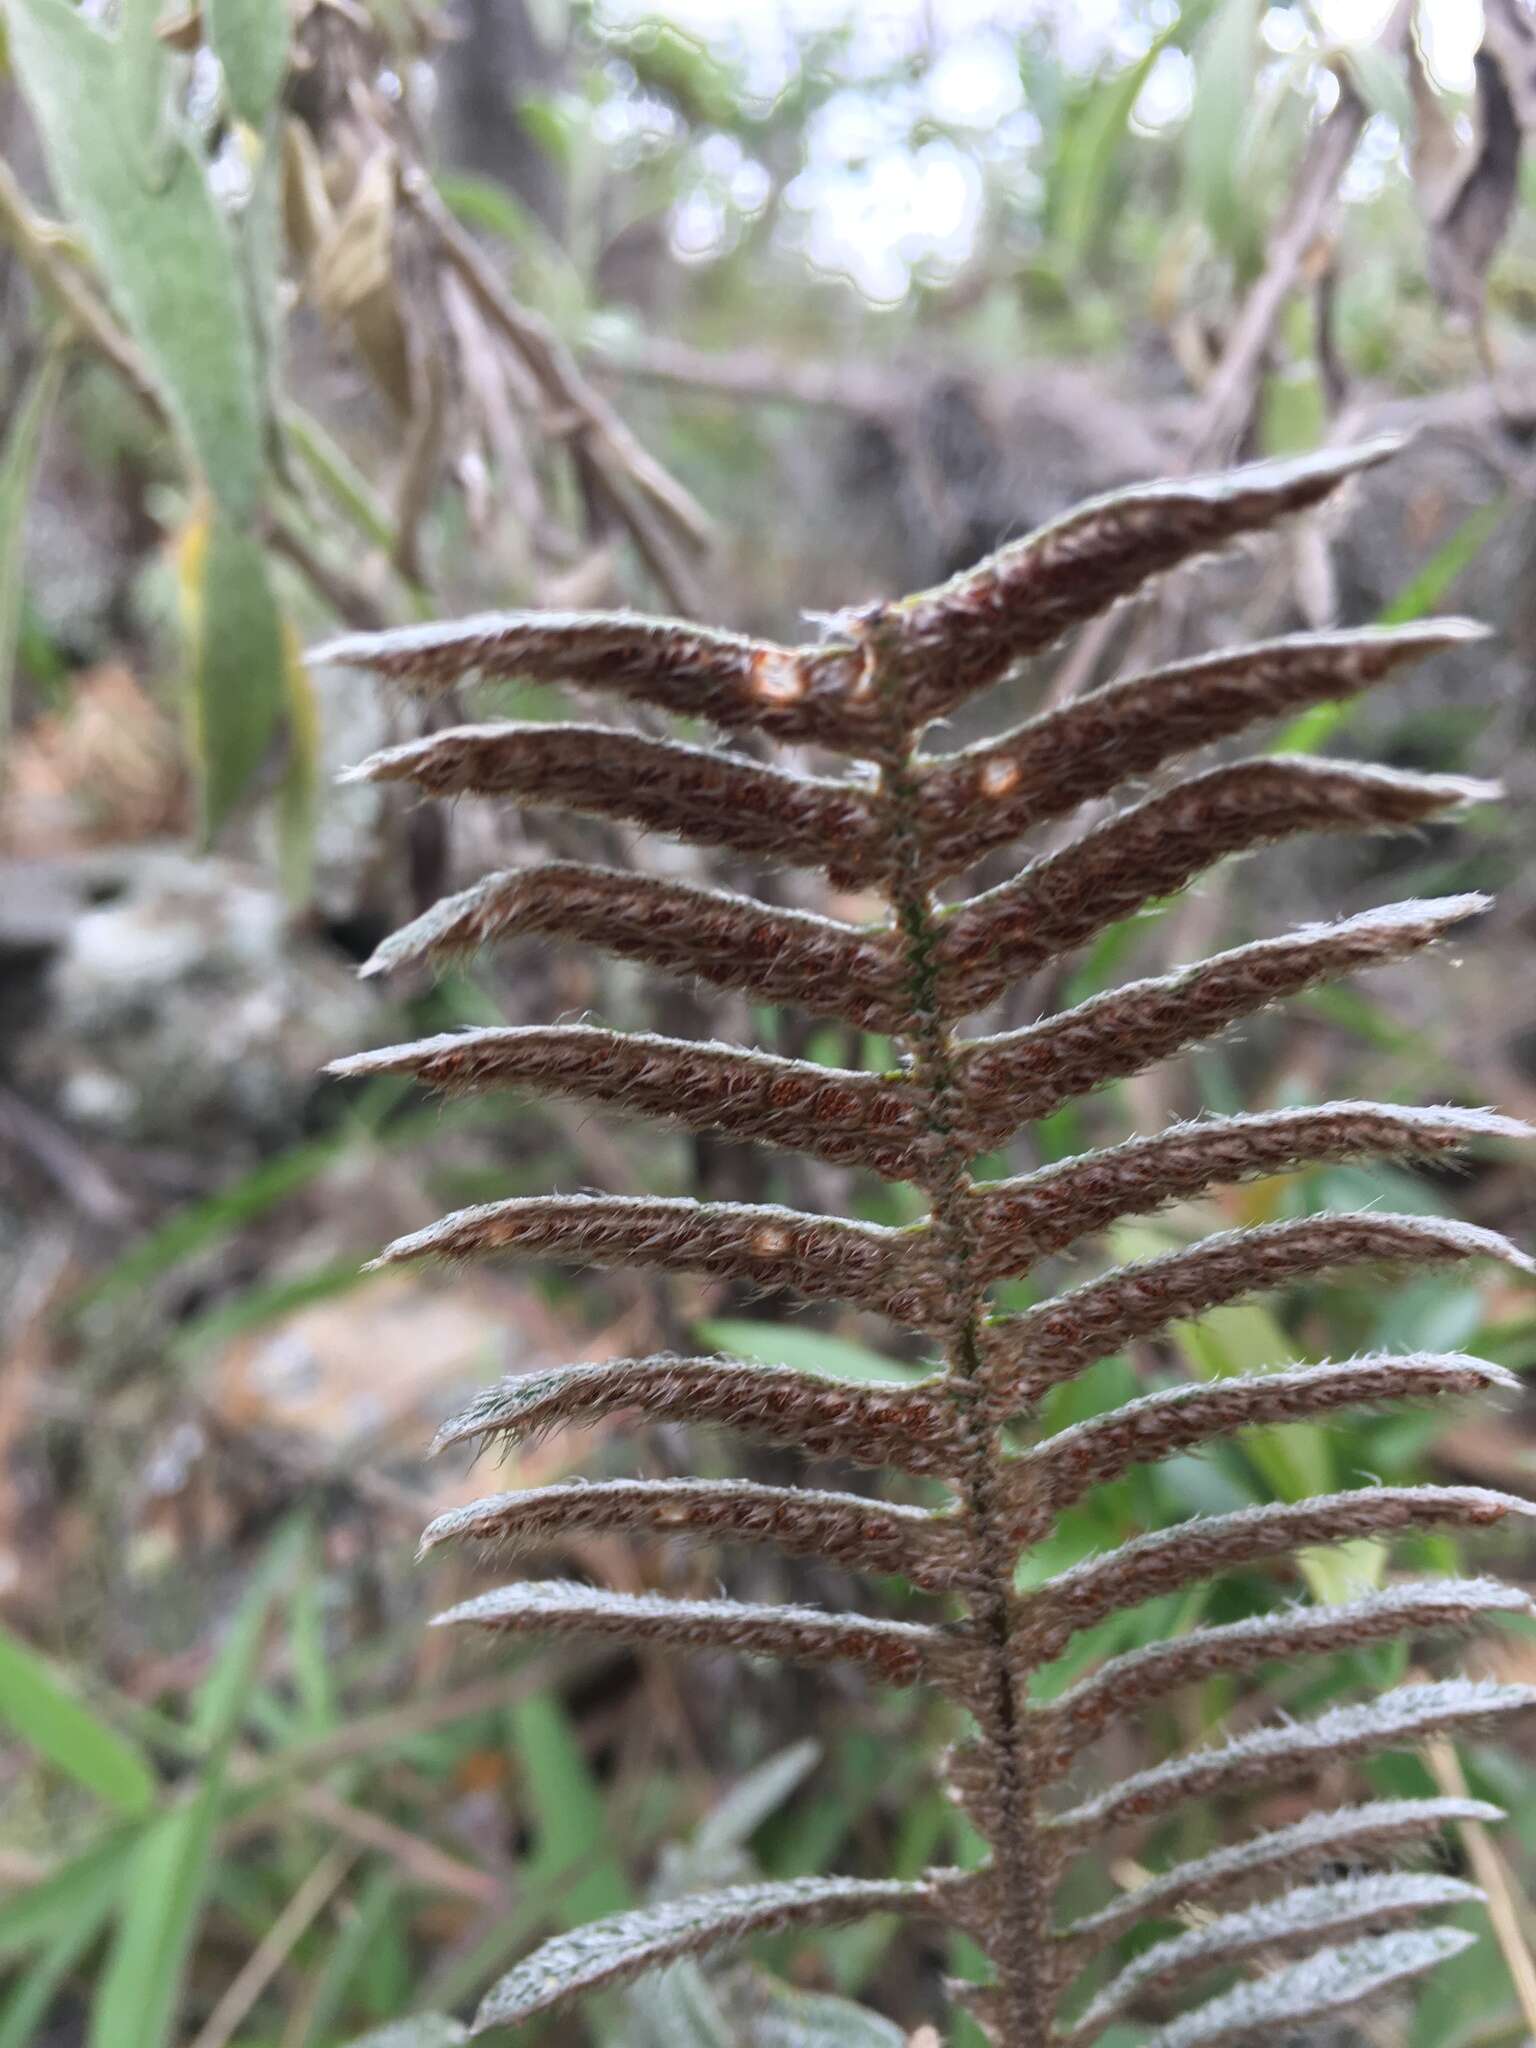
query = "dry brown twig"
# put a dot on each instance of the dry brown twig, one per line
(919, 821)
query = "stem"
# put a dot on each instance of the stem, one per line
(1018, 1941)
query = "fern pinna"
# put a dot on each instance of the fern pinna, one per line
(906, 824)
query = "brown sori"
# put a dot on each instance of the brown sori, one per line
(902, 822)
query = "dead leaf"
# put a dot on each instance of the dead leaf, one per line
(1469, 206)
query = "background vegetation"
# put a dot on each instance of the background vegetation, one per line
(329, 314)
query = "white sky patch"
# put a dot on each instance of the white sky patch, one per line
(876, 207)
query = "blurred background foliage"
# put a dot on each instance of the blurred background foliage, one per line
(336, 313)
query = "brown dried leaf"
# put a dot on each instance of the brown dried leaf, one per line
(1154, 849)
(1019, 1076)
(788, 956)
(973, 802)
(1470, 217)
(694, 793)
(850, 1118)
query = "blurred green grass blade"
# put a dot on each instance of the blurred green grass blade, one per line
(163, 247)
(567, 1810)
(237, 657)
(85, 1889)
(250, 40)
(1424, 592)
(426, 2030)
(50, 1719)
(208, 1222)
(736, 1817)
(1090, 148)
(22, 2016)
(18, 467)
(1226, 64)
(221, 1700)
(140, 1986)
(137, 1998)
(379, 1894)
(812, 1351)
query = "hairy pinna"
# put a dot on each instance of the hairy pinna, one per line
(901, 827)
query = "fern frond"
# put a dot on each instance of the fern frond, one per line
(1301, 1921)
(894, 1652)
(1019, 1221)
(790, 693)
(693, 793)
(1029, 1353)
(961, 637)
(1405, 1718)
(1065, 899)
(1126, 1684)
(849, 1118)
(1146, 1567)
(978, 800)
(897, 823)
(789, 956)
(910, 1427)
(1019, 1075)
(1060, 1470)
(615, 1951)
(1348, 1834)
(862, 1535)
(821, 1257)
(1338, 1981)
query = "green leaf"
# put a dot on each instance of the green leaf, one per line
(1225, 69)
(163, 248)
(21, 2018)
(377, 1899)
(298, 800)
(567, 1812)
(812, 1351)
(772, 2015)
(239, 662)
(250, 40)
(140, 1986)
(426, 2030)
(50, 1719)
(83, 1890)
(18, 466)
(1091, 145)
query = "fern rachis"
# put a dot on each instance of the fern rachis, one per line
(906, 825)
